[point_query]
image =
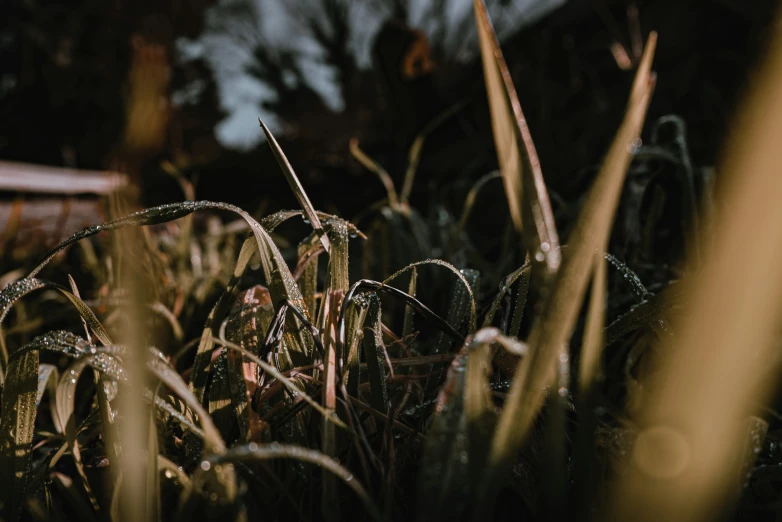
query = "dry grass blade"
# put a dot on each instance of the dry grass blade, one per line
(296, 187)
(589, 376)
(170, 378)
(528, 199)
(271, 370)
(414, 154)
(373, 166)
(725, 354)
(592, 347)
(469, 203)
(552, 329)
(334, 295)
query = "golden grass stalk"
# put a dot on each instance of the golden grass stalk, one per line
(719, 362)
(552, 329)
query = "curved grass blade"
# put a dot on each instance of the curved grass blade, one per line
(469, 203)
(525, 188)
(414, 155)
(459, 439)
(505, 286)
(48, 376)
(278, 277)
(213, 442)
(461, 302)
(552, 329)
(389, 290)
(255, 452)
(271, 370)
(371, 165)
(472, 317)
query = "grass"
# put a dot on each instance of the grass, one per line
(301, 384)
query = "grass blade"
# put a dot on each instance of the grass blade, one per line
(256, 452)
(552, 329)
(296, 187)
(525, 189)
(374, 354)
(17, 425)
(720, 362)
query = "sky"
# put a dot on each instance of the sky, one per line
(270, 22)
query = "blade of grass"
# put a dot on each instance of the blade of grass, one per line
(372, 166)
(17, 425)
(296, 187)
(525, 189)
(414, 155)
(724, 355)
(255, 452)
(552, 329)
(335, 293)
(373, 352)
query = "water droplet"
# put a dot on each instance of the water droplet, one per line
(205, 465)
(545, 246)
(539, 256)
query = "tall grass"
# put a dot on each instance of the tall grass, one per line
(245, 387)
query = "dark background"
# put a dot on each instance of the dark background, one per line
(66, 85)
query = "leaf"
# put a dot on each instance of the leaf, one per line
(271, 370)
(525, 189)
(459, 439)
(296, 187)
(374, 354)
(461, 301)
(552, 329)
(334, 295)
(472, 316)
(17, 424)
